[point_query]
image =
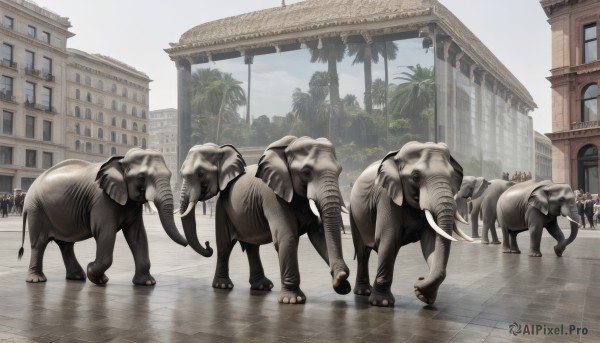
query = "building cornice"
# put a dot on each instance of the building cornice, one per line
(586, 133)
(37, 43)
(552, 7)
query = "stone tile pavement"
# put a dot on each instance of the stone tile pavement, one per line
(485, 292)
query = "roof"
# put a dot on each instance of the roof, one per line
(325, 18)
(109, 61)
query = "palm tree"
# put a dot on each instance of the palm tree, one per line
(378, 93)
(367, 54)
(331, 53)
(311, 107)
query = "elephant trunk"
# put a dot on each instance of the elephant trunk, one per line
(328, 197)
(164, 205)
(440, 202)
(189, 220)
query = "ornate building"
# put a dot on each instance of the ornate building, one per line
(574, 77)
(32, 74)
(163, 137)
(479, 107)
(107, 107)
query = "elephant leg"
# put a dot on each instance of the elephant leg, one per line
(487, 223)
(316, 235)
(362, 285)
(38, 237)
(136, 238)
(512, 241)
(74, 270)
(436, 251)
(258, 280)
(493, 232)
(557, 233)
(535, 239)
(224, 247)
(286, 244)
(386, 255)
(475, 219)
(105, 244)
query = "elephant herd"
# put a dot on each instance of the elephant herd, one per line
(410, 195)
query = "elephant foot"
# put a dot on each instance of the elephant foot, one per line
(291, 296)
(103, 279)
(485, 241)
(222, 282)
(495, 242)
(341, 284)
(535, 253)
(510, 251)
(77, 275)
(362, 288)
(143, 280)
(426, 291)
(35, 277)
(558, 250)
(261, 284)
(383, 299)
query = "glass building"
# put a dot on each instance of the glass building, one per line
(370, 74)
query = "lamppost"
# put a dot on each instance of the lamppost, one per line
(248, 59)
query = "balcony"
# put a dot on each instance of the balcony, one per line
(585, 125)
(7, 96)
(40, 107)
(9, 64)
(48, 77)
(31, 71)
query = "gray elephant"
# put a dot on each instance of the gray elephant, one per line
(472, 187)
(278, 200)
(76, 200)
(533, 206)
(485, 207)
(406, 197)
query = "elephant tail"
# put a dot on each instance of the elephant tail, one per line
(21, 251)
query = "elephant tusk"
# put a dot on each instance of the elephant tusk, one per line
(455, 196)
(152, 206)
(458, 217)
(188, 210)
(461, 234)
(313, 207)
(345, 210)
(436, 228)
(571, 220)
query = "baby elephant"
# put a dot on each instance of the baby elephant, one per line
(533, 206)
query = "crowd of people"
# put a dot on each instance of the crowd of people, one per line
(517, 176)
(11, 203)
(588, 208)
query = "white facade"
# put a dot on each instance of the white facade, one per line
(163, 137)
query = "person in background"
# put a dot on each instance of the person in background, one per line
(589, 210)
(581, 208)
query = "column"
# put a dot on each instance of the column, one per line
(184, 111)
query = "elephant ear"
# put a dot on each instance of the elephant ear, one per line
(111, 179)
(539, 199)
(480, 185)
(388, 176)
(273, 168)
(231, 166)
(457, 175)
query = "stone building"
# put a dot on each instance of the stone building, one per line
(543, 157)
(32, 72)
(480, 109)
(163, 137)
(574, 79)
(107, 107)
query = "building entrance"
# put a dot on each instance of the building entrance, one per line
(587, 169)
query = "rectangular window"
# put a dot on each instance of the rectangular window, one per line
(45, 37)
(26, 183)
(46, 66)
(6, 155)
(31, 31)
(7, 123)
(47, 131)
(7, 55)
(8, 22)
(29, 93)
(6, 86)
(30, 158)
(590, 46)
(29, 127)
(29, 59)
(47, 160)
(46, 99)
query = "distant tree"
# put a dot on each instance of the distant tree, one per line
(311, 107)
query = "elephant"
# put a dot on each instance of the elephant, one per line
(485, 206)
(471, 188)
(293, 190)
(405, 197)
(76, 200)
(533, 206)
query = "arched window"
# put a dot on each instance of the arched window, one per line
(87, 132)
(143, 114)
(123, 124)
(144, 99)
(88, 147)
(88, 81)
(89, 97)
(135, 141)
(77, 145)
(101, 100)
(124, 139)
(143, 143)
(134, 127)
(101, 117)
(77, 112)
(100, 133)
(134, 111)
(101, 148)
(113, 151)
(144, 128)
(78, 129)
(77, 78)
(113, 136)
(77, 94)
(124, 108)
(114, 88)
(113, 105)
(113, 122)
(100, 85)
(134, 96)
(88, 114)
(589, 103)
(124, 92)
(587, 169)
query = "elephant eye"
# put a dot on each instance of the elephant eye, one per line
(416, 176)
(306, 173)
(141, 178)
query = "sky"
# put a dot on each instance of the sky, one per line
(136, 32)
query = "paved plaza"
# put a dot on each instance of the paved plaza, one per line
(485, 292)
